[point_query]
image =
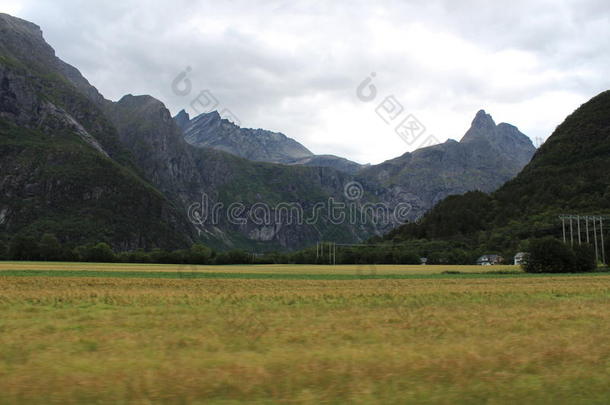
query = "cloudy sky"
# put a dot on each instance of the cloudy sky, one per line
(296, 66)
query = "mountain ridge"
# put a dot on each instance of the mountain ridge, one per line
(137, 139)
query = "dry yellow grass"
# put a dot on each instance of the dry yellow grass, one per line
(448, 341)
(263, 268)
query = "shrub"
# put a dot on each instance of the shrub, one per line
(549, 255)
(234, 257)
(585, 258)
(3, 250)
(406, 257)
(101, 253)
(199, 254)
(49, 247)
(23, 248)
(161, 256)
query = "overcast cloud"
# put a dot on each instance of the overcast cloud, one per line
(294, 67)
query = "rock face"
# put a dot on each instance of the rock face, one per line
(515, 149)
(88, 169)
(210, 130)
(62, 167)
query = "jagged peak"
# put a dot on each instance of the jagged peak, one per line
(182, 119)
(482, 127)
(482, 119)
(182, 114)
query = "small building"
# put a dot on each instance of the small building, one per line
(519, 258)
(489, 260)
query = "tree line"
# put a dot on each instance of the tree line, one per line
(545, 255)
(49, 248)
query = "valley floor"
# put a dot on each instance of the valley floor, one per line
(119, 333)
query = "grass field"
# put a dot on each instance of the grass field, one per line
(383, 269)
(446, 339)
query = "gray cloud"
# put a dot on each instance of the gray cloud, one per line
(294, 66)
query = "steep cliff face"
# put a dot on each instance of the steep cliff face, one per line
(63, 169)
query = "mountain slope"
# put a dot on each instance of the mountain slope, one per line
(336, 162)
(63, 169)
(210, 130)
(568, 174)
(187, 173)
(487, 156)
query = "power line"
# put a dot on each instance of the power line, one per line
(593, 219)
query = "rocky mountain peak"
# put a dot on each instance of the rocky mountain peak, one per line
(483, 120)
(482, 128)
(182, 119)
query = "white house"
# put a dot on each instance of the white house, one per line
(489, 260)
(520, 258)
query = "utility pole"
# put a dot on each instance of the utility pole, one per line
(595, 239)
(601, 232)
(334, 253)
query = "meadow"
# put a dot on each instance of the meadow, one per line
(385, 334)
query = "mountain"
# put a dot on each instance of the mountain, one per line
(486, 157)
(88, 169)
(567, 175)
(186, 174)
(211, 130)
(62, 168)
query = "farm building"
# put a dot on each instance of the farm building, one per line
(489, 260)
(519, 258)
